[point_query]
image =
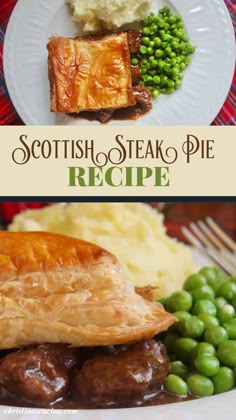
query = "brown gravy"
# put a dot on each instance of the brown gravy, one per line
(71, 404)
(131, 113)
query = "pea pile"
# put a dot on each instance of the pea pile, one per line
(164, 52)
(202, 343)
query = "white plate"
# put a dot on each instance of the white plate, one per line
(206, 83)
(218, 407)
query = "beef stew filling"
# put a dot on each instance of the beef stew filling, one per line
(54, 375)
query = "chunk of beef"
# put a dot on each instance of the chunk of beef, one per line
(104, 115)
(40, 373)
(134, 37)
(131, 373)
(142, 95)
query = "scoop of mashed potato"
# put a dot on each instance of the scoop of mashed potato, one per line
(134, 232)
(108, 14)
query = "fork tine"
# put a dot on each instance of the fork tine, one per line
(203, 233)
(214, 240)
(230, 268)
(211, 253)
(200, 235)
(202, 249)
(221, 234)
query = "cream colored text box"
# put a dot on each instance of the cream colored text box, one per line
(117, 161)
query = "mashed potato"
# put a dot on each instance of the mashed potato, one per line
(108, 14)
(134, 232)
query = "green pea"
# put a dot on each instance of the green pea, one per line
(183, 348)
(170, 340)
(180, 25)
(207, 365)
(191, 327)
(225, 313)
(189, 49)
(174, 73)
(178, 368)
(147, 78)
(173, 62)
(163, 301)
(226, 353)
(219, 302)
(217, 277)
(204, 305)
(178, 83)
(194, 281)
(182, 66)
(167, 67)
(208, 320)
(149, 50)
(164, 44)
(161, 23)
(179, 301)
(145, 40)
(182, 315)
(153, 29)
(188, 61)
(168, 51)
(210, 273)
(170, 90)
(230, 327)
(227, 290)
(156, 80)
(143, 49)
(202, 348)
(170, 83)
(216, 336)
(159, 53)
(165, 11)
(163, 83)
(161, 65)
(154, 63)
(157, 41)
(224, 380)
(146, 30)
(178, 18)
(176, 385)
(175, 45)
(166, 37)
(200, 385)
(155, 93)
(134, 61)
(203, 292)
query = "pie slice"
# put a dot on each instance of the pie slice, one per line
(90, 74)
(57, 289)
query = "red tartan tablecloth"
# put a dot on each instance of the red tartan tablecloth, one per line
(8, 115)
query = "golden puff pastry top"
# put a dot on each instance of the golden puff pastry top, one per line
(89, 74)
(58, 289)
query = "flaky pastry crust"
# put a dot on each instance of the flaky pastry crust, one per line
(90, 74)
(57, 289)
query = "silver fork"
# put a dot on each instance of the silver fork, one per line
(211, 241)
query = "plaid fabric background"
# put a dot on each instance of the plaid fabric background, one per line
(8, 115)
